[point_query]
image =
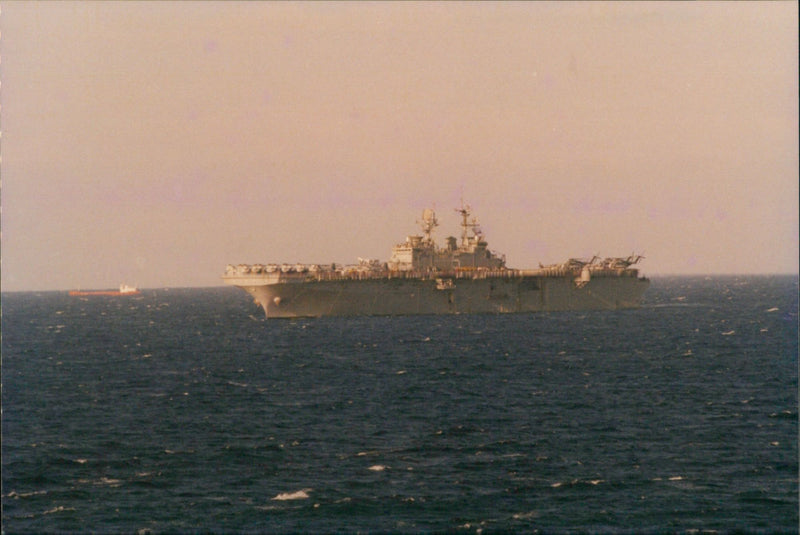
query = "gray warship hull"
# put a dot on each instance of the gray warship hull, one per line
(515, 292)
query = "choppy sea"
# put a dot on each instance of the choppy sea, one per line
(184, 411)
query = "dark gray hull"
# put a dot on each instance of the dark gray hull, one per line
(406, 296)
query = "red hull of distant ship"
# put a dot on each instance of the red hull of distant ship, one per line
(124, 289)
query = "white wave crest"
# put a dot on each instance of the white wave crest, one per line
(299, 495)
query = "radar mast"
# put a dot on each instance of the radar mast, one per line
(428, 223)
(466, 225)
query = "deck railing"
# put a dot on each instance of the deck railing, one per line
(278, 276)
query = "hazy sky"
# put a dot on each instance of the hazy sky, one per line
(154, 143)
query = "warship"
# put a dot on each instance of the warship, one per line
(463, 277)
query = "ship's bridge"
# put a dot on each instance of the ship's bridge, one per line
(420, 253)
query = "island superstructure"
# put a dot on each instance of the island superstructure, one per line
(423, 278)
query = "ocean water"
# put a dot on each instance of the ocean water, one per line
(184, 410)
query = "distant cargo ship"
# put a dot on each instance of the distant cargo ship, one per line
(124, 289)
(423, 278)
